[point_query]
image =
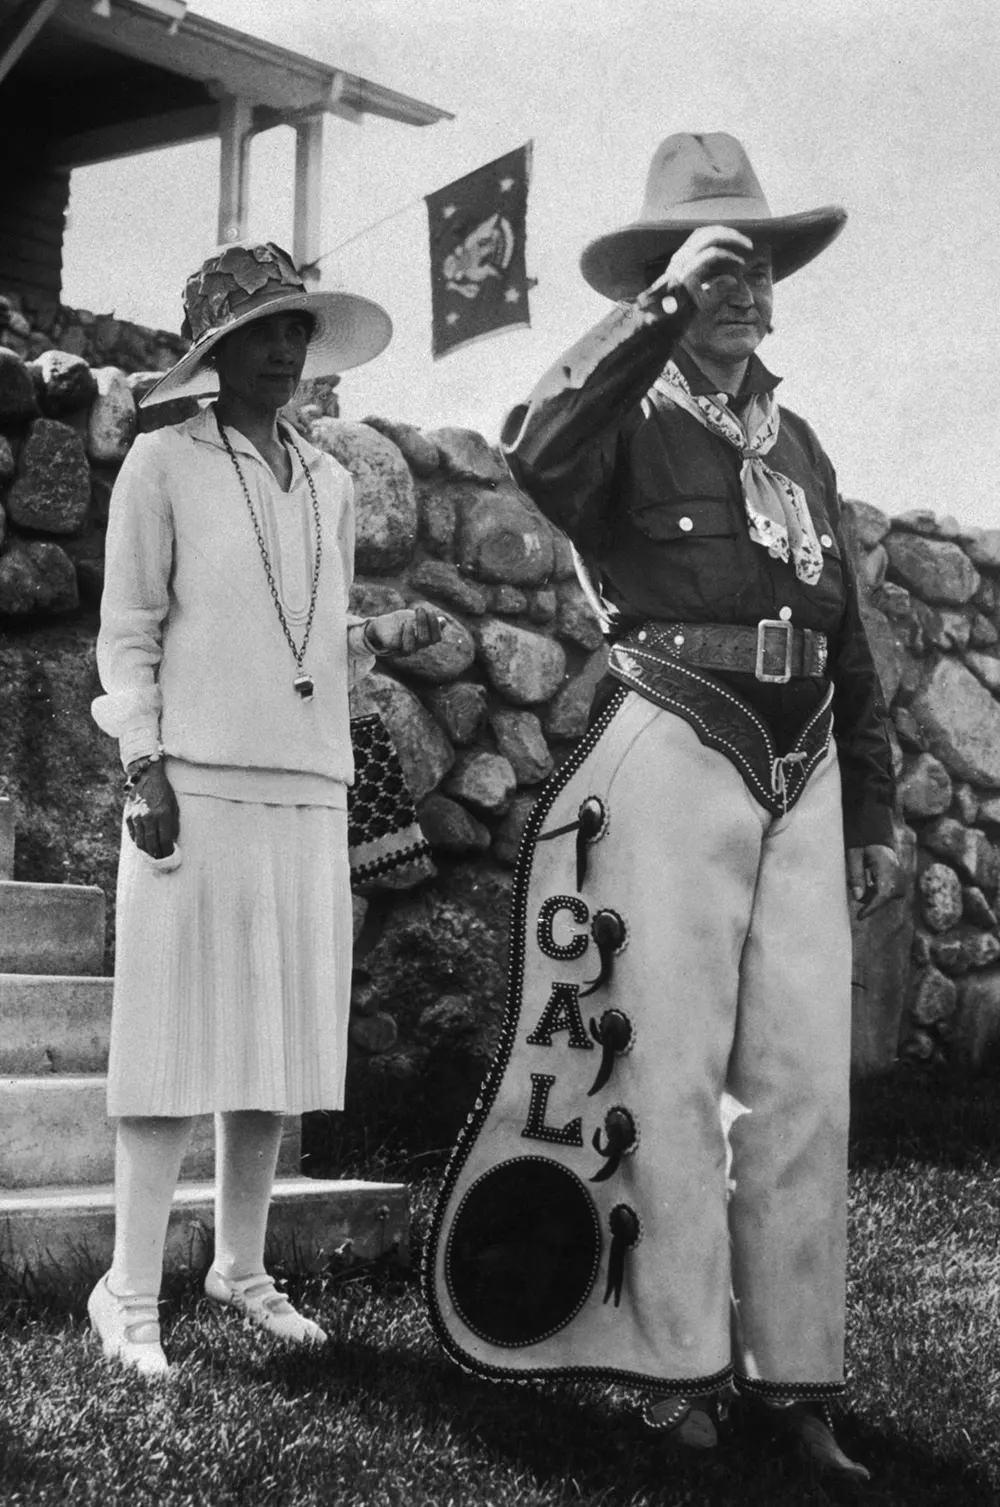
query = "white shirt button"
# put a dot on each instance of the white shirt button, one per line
(685, 524)
(785, 613)
(825, 540)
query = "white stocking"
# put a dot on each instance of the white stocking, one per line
(148, 1156)
(247, 1144)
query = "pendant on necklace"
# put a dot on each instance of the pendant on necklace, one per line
(303, 684)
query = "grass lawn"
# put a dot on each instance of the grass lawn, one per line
(380, 1417)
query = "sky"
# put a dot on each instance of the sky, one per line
(888, 343)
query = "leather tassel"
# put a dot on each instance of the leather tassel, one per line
(614, 1036)
(621, 1138)
(608, 930)
(589, 827)
(625, 1231)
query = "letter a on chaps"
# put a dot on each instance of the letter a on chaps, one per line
(535, 1262)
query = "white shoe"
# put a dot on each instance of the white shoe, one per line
(128, 1329)
(259, 1300)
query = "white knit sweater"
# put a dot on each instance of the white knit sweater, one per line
(191, 652)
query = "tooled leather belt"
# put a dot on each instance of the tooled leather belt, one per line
(772, 650)
(647, 661)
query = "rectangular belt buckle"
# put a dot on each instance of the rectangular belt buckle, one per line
(781, 626)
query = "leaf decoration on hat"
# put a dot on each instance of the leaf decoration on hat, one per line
(224, 282)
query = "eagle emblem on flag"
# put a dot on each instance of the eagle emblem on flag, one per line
(479, 284)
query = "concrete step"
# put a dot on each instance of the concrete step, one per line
(50, 1234)
(51, 928)
(6, 838)
(51, 1023)
(54, 1130)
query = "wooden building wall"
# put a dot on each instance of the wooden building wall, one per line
(31, 235)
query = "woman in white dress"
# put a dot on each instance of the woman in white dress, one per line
(226, 653)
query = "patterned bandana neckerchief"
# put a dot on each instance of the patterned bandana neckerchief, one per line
(776, 508)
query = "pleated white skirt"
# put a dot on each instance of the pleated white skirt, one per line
(233, 971)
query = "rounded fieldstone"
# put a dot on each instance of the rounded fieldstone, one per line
(485, 781)
(373, 1034)
(508, 601)
(465, 455)
(460, 708)
(18, 400)
(934, 999)
(450, 828)
(51, 492)
(524, 667)
(65, 383)
(450, 657)
(935, 569)
(959, 722)
(977, 910)
(925, 790)
(966, 849)
(112, 423)
(575, 619)
(868, 524)
(985, 667)
(925, 521)
(36, 576)
(501, 539)
(385, 503)
(521, 741)
(7, 466)
(983, 633)
(372, 599)
(983, 547)
(872, 568)
(421, 453)
(542, 605)
(450, 1016)
(56, 587)
(444, 581)
(438, 515)
(18, 579)
(940, 897)
(966, 803)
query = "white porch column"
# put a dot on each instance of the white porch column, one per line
(235, 133)
(308, 192)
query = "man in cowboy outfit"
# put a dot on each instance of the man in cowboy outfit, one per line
(707, 521)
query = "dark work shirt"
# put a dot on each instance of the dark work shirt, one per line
(654, 504)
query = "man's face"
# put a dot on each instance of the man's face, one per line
(737, 312)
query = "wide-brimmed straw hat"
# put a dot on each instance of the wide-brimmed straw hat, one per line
(703, 180)
(247, 281)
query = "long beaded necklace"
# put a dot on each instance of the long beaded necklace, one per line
(303, 682)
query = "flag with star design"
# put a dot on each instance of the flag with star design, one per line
(477, 232)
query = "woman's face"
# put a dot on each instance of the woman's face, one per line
(261, 363)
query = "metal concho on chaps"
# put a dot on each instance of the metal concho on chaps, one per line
(538, 1220)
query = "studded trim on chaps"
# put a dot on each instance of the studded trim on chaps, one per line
(723, 721)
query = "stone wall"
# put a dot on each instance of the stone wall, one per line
(932, 608)
(482, 718)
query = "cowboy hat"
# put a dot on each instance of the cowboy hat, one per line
(247, 281)
(702, 180)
